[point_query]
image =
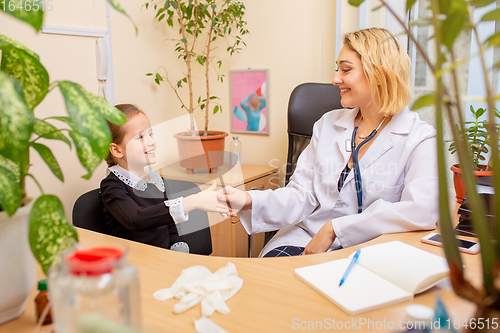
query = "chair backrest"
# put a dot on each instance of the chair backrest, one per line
(308, 103)
(88, 213)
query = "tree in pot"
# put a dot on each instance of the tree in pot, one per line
(199, 25)
(24, 83)
(448, 19)
(477, 137)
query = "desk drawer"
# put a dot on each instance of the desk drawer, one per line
(264, 183)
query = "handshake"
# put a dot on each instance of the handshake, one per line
(226, 201)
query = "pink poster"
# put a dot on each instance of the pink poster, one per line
(249, 101)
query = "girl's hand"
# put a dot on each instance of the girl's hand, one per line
(205, 200)
(235, 199)
(322, 240)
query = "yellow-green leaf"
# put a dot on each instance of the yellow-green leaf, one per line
(16, 119)
(10, 192)
(106, 110)
(49, 131)
(494, 15)
(50, 234)
(119, 8)
(86, 119)
(25, 11)
(25, 66)
(49, 158)
(87, 157)
(423, 101)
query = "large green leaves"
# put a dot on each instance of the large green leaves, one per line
(16, 120)
(119, 8)
(49, 158)
(24, 65)
(50, 233)
(87, 157)
(28, 11)
(49, 131)
(10, 192)
(86, 112)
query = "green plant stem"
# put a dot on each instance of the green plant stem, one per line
(446, 227)
(36, 182)
(207, 66)
(23, 168)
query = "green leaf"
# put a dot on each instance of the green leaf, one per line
(50, 234)
(25, 66)
(454, 22)
(149, 74)
(423, 101)
(184, 40)
(10, 192)
(356, 2)
(86, 119)
(16, 119)
(409, 4)
(494, 15)
(11, 166)
(481, 3)
(86, 155)
(118, 7)
(25, 13)
(109, 112)
(49, 131)
(494, 39)
(216, 109)
(49, 158)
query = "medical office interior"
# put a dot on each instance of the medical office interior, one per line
(92, 44)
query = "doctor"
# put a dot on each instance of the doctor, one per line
(367, 171)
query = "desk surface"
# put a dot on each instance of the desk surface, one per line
(272, 298)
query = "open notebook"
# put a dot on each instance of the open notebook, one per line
(385, 274)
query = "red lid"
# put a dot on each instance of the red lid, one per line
(93, 261)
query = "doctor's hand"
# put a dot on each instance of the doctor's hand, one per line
(322, 241)
(235, 199)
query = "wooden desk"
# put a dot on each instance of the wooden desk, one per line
(229, 238)
(272, 298)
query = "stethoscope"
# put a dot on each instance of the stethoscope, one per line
(355, 164)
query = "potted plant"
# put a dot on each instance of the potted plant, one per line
(476, 135)
(448, 19)
(24, 83)
(199, 25)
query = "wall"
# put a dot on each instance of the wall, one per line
(285, 38)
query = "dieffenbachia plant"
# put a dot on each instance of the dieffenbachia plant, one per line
(24, 83)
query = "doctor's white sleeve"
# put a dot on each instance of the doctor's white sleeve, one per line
(273, 210)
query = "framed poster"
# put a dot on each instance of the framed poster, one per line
(249, 101)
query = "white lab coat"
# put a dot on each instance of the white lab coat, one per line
(399, 176)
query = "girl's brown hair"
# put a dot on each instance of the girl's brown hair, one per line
(118, 132)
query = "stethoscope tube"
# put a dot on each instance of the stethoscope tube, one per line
(355, 164)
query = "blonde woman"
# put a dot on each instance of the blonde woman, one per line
(368, 170)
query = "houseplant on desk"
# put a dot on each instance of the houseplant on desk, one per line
(448, 19)
(478, 139)
(200, 25)
(24, 83)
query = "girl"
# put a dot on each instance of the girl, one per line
(367, 171)
(135, 200)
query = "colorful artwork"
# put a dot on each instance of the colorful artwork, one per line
(249, 101)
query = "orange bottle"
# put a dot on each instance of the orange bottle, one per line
(41, 301)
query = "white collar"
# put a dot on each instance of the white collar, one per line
(134, 181)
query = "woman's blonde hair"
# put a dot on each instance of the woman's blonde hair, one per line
(386, 66)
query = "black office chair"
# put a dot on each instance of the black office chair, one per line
(307, 104)
(88, 214)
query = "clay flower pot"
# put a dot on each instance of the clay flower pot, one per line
(458, 181)
(201, 152)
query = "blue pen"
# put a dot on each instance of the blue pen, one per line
(348, 270)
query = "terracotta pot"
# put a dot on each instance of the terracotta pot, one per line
(201, 152)
(17, 263)
(459, 182)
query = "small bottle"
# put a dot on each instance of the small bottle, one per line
(41, 301)
(235, 148)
